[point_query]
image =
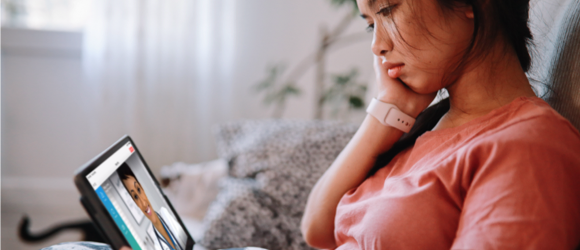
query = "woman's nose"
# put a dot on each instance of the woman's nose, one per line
(382, 42)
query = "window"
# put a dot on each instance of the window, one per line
(66, 15)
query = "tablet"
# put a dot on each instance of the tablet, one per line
(126, 203)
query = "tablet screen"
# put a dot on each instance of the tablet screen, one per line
(133, 200)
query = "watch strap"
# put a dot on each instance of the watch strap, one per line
(389, 115)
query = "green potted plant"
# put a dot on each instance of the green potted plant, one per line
(333, 91)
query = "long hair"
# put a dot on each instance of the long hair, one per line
(493, 20)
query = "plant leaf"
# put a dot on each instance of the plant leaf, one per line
(342, 2)
(290, 89)
(356, 102)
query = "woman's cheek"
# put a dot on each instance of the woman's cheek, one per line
(143, 206)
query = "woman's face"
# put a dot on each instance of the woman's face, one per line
(139, 196)
(416, 41)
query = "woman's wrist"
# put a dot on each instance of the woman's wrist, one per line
(408, 107)
(378, 137)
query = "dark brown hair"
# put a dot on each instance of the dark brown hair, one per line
(125, 171)
(503, 21)
(498, 21)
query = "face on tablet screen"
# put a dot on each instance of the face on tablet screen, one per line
(136, 191)
(135, 204)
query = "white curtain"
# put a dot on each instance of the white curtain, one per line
(160, 71)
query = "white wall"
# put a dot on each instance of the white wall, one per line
(274, 31)
(47, 118)
(43, 108)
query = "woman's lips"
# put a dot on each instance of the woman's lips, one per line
(395, 72)
(148, 211)
(393, 68)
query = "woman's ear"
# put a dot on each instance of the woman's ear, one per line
(469, 13)
(466, 9)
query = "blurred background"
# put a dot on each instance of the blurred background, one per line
(79, 74)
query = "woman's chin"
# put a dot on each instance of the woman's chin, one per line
(151, 218)
(421, 84)
(423, 89)
(413, 83)
(420, 89)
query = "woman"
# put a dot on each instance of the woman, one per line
(491, 167)
(166, 228)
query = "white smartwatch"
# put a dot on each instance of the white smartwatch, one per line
(389, 115)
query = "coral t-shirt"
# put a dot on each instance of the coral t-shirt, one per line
(507, 180)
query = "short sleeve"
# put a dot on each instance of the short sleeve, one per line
(522, 191)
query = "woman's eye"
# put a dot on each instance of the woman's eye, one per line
(386, 11)
(135, 197)
(370, 28)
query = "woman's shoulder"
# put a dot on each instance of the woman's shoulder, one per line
(531, 120)
(530, 126)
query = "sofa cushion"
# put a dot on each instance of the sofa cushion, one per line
(255, 146)
(273, 165)
(564, 69)
(244, 216)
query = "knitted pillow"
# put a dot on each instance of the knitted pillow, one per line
(564, 70)
(273, 166)
(254, 146)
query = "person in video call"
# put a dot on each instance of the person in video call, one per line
(490, 167)
(169, 233)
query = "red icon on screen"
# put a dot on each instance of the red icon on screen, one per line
(131, 149)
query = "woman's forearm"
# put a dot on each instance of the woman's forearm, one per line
(348, 171)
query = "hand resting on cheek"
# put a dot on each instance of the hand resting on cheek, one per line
(395, 91)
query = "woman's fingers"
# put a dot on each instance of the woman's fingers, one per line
(395, 91)
(125, 248)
